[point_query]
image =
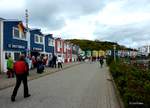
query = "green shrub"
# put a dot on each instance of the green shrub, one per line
(133, 83)
(109, 60)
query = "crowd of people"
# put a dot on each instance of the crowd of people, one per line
(20, 69)
(38, 62)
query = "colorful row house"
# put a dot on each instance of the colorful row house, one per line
(122, 53)
(75, 53)
(15, 39)
(63, 49)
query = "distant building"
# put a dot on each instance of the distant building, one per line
(101, 53)
(75, 53)
(49, 45)
(59, 48)
(144, 50)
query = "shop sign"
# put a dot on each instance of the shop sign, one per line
(16, 46)
(37, 49)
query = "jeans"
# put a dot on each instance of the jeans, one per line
(19, 79)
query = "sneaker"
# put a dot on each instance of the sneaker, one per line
(26, 96)
(12, 98)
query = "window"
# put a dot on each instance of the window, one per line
(7, 55)
(16, 56)
(38, 39)
(58, 46)
(18, 34)
(41, 39)
(50, 42)
(65, 47)
(23, 35)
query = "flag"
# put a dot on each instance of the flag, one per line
(21, 27)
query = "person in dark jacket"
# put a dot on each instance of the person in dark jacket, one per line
(101, 61)
(40, 65)
(54, 59)
(21, 71)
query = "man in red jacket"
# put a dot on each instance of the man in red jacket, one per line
(21, 71)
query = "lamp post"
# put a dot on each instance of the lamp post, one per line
(114, 46)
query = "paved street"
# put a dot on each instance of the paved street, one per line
(5, 82)
(82, 86)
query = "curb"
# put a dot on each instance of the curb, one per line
(121, 104)
(30, 78)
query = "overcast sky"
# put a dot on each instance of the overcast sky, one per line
(124, 21)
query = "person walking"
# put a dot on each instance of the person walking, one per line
(40, 65)
(60, 61)
(50, 61)
(21, 71)
(10, 65)
(34, 62)
(101, 61)
(54, 59)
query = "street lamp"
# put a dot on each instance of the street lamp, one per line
(114, 46)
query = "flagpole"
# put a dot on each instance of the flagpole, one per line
(27, 16)
(28, 32)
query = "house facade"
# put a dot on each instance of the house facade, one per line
(49, 45)
(68, 53)
(75, 54)
(36, 42)
(13, 41)
(59, 48)
(144, 50)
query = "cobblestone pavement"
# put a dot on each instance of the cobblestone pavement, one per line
(82, 86)
(5, 82)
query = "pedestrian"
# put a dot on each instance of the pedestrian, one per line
(21, 71)
(60, 61)
(10, 65)
(27, 61)
(101, 61)
(45, 58)
(40, 65)
(54, 59)
(50, 61)
(34, 62)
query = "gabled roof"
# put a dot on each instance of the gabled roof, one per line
(37, 30)
(1, 19)
(51, 35)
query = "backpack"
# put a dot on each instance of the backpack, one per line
(41, 67)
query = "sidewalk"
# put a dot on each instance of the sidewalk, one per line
(5, 82)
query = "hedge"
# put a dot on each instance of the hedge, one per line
(133, 84)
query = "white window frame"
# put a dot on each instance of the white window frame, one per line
(20, 35)
(50, 42)
(65, 47)
(38, 36)
(41, 37)
(58, 45)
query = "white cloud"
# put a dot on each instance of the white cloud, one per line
(124, 21)
(11, 4)
(81, 28)
(115, 14)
